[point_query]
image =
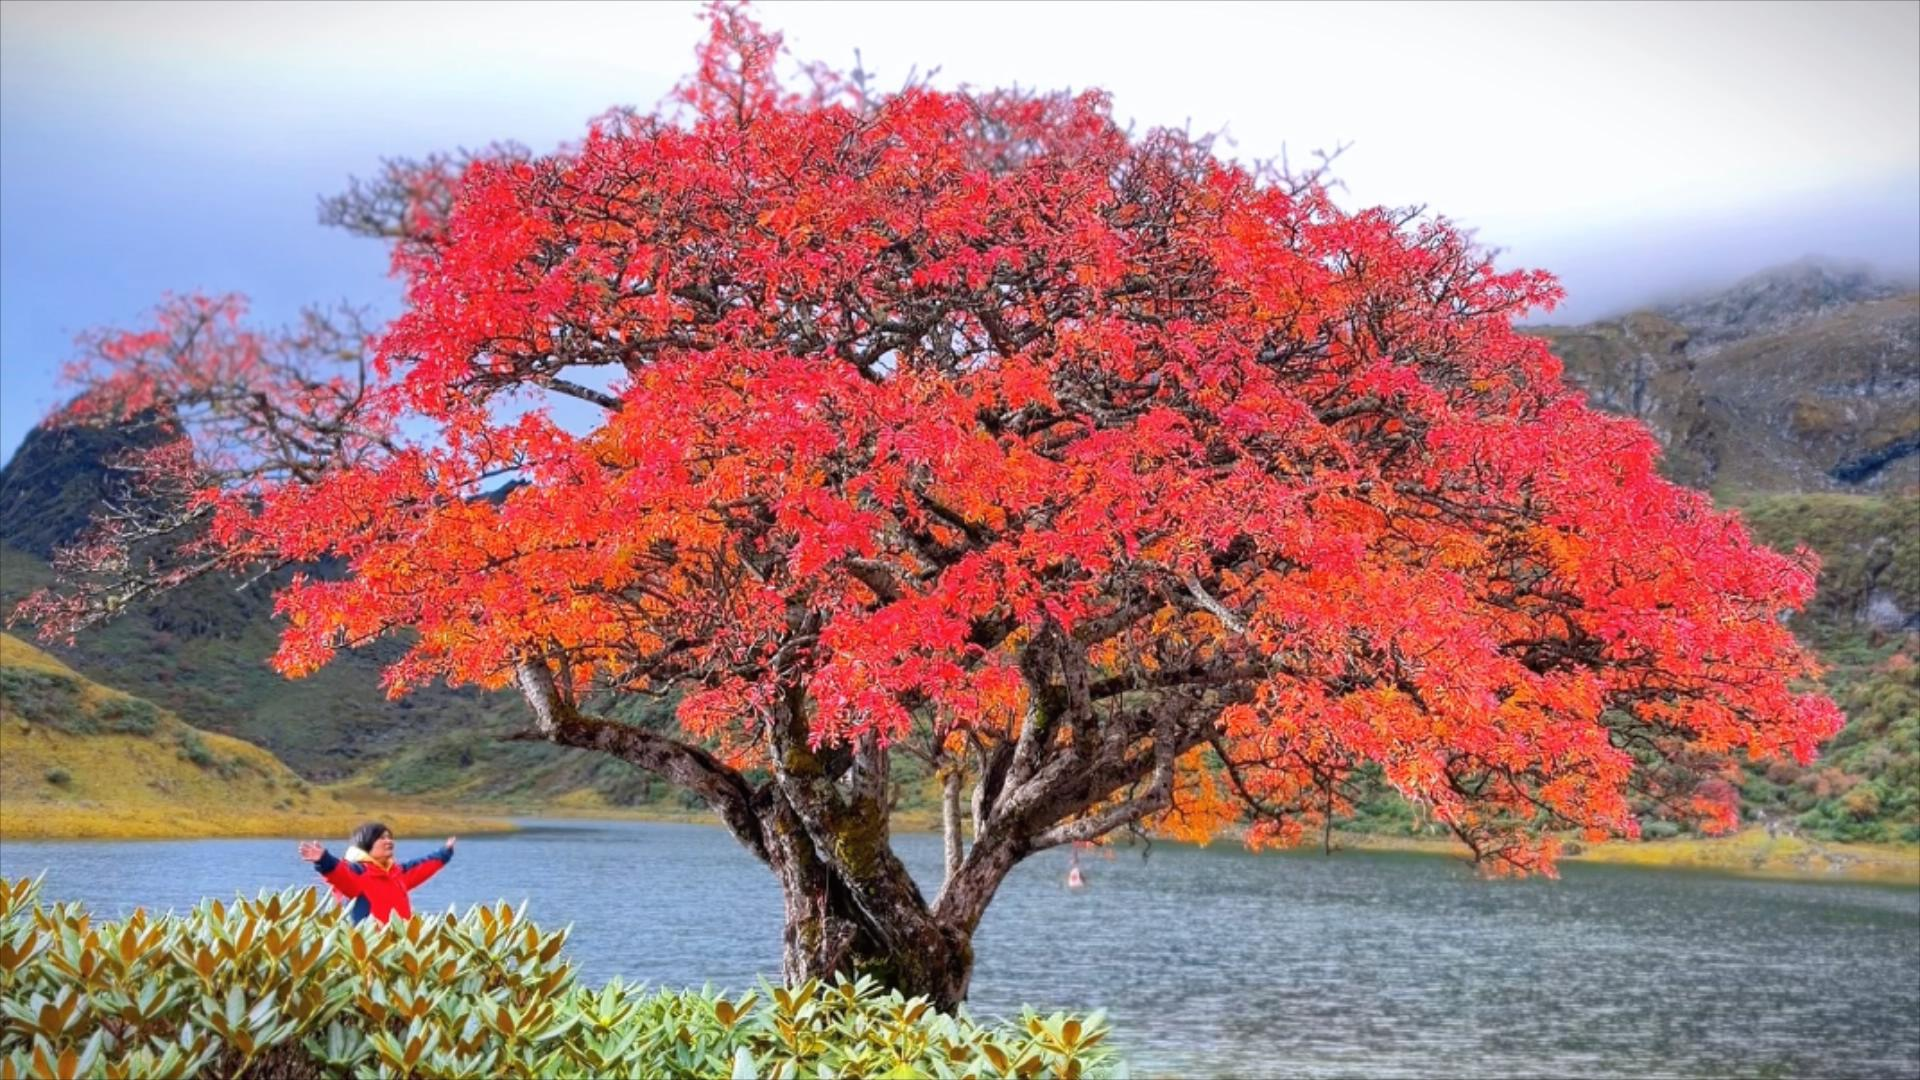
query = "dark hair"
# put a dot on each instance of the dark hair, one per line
(364, 836)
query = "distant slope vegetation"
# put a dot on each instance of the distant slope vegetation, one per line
(203, 651)
(1794, 397)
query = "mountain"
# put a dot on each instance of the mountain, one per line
(1799, 379)
(58, 476)
(1777, 298)
(1794, 396)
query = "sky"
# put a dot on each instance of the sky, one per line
(1637, 150)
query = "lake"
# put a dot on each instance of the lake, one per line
(1217, 962)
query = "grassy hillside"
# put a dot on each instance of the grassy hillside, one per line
(79, 759)
(1869, 549)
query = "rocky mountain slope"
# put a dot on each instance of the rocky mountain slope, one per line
(1802, 378)
(1777, 298)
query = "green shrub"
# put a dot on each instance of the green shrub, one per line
(193, 749)
(43, 697)
(1866, 784)
(1658, 829)
(59, 777)
(284, 985)
(127, 716)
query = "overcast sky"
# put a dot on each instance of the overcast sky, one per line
(1635, 149)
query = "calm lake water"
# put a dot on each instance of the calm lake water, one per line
(1217, 962)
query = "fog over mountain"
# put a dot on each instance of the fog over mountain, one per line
(1663, 260)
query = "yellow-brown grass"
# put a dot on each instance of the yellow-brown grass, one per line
(1752, 853)
(1749, 853)
(173, 780)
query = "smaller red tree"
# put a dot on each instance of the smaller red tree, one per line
(1126, 486)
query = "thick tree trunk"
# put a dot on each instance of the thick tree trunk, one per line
(851, 908)
(827, 936)
(829, 931)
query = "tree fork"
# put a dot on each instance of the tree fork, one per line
(850, 905)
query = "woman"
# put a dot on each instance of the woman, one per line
(369, 877)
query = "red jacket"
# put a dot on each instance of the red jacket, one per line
(380, 891)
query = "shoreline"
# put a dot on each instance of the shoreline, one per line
(44, 821)
(1750, 853)
(61, 824)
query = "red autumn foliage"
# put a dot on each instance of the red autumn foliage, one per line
(969, 424)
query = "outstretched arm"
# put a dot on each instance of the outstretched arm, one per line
(419, 870)
(338, 874)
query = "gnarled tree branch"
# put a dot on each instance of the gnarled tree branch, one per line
(722, 788)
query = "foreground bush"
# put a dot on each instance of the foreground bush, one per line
(284, 986)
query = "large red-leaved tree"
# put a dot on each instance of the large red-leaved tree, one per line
(1126, 486)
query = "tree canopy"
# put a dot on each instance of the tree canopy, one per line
(1130, 485)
